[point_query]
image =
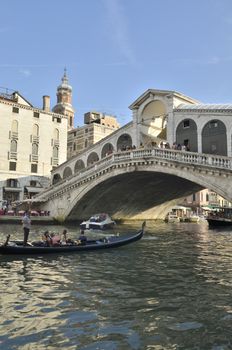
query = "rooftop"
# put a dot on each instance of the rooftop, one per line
(197, 107)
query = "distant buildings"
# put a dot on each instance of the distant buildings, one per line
(206, 198)
(97, 126)
(35, 140)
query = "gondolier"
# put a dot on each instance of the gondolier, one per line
(26, 221)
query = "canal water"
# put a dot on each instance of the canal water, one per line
(171, 290)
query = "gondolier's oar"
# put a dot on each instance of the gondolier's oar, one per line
(7, 240)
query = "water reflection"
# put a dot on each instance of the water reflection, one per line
(171, 290)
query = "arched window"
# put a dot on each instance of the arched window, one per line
(56, 134)
(107, 149)
(92, 158)
(186, 134)
(124, 142)
(35, 149)
(35, 130)
(13, 146)
(56, 179)
(67, 172)
(14, 126)
(55, 152)
(79, 165)
(214, 139)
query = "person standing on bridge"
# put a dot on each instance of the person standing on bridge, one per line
(26, 221)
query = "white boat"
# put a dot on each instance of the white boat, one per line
(171, 217)
(100, 221)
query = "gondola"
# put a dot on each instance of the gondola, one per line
(17, 247)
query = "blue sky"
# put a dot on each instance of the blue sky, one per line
(114, 50)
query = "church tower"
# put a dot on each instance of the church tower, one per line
(64, 100)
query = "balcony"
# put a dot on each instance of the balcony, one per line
(13, 155)
(55, 161)
(34, 158)
(35, 139)
(14, 135)
(56, 143)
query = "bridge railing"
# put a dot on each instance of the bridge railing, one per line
(184, 157)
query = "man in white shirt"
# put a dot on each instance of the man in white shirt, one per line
(26, 221)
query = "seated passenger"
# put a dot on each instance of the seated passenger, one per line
(82, 238)
(51, 240)
(47, 239)
(55, 239)
(65, 239)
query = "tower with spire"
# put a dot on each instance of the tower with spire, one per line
(64, 100)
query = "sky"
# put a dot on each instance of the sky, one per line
(114, 50)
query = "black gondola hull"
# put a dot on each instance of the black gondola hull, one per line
(112, 242)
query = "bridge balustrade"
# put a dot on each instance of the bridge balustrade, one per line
(213, 161)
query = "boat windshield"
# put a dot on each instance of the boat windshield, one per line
(98, 218)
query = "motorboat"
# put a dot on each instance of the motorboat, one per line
(98, 222)
(220, 217)
(171, 217)
(32, 248)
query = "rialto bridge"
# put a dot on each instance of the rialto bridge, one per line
(129, 177)
(137, 184)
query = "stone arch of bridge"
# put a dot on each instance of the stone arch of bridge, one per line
(152, 121)
(67, 172)
(186, 134)
(56, 178)
(79, 165)
(214, 137)
(134, 192)
(124, 142)
(92, 158)
(107, 149)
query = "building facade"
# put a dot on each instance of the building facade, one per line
(97, 126)
(33, 142)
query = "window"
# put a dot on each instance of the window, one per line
(14, 126)
(13, 146)
(15, 110)
(186, 124)
(194, 197)
(56, 134)
(12, 166)
(56, 119)
(55, 152)
(86, 143)
(36, 114)
(207, 197)
(35, 149)
(35, 130)
(33, 183)
(86, 130)
(34, 168)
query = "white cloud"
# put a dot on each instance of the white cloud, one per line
(25, 72)
(119, 28)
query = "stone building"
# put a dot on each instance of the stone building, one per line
(33, 142)
(64, 101)
(97, 126)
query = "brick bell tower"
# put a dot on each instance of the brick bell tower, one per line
(64, 100)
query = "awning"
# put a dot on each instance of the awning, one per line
(34, 189)
(12, 189)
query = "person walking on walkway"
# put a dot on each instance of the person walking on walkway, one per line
(26, 221)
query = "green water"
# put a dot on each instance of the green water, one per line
(171, 290)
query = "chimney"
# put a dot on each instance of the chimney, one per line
(46, 103)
